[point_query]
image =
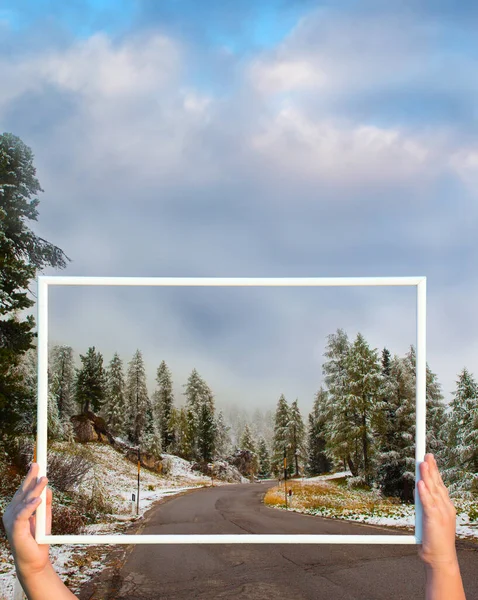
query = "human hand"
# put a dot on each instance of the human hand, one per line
(439, 517)
(19, 521)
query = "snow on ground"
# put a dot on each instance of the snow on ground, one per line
(118, 478)
(359, 506)
(328, 477)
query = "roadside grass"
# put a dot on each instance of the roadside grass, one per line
(334, 499)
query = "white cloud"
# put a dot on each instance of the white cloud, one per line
(344, 153)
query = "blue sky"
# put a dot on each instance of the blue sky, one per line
(274, 138)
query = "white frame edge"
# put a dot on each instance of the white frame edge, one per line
(420, 433)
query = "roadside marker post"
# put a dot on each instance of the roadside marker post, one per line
(139, 468)
(285, 478)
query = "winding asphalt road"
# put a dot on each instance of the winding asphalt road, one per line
(269, 572)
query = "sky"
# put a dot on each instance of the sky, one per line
(287, 138)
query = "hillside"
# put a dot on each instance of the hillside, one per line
(110, 482)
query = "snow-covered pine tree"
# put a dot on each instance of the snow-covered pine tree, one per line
(297, 437)
(363, 375)
(223, 439)
(151, 442)
(90, 382)
(114, 408)
(317, 460)
(340, 428)
(281, 441)
(247, 440)
(206, 441)
(28, 370)
(163, 400)
(198, 394)
(461, 458)
(139, 421)
(395, 429)
(436, 411)
(62, 384)
(264, 459)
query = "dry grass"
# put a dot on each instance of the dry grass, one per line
(331, 499)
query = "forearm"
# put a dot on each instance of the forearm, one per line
(444, 583)
(46, 585)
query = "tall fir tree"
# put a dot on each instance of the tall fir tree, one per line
(223, 439)
(247, 440)
(395, 429)
(139, 423)
(264, 458)
(90, 381)
(461, 458)
(281, 440)
(297, 438)
(206, 442)
(62, 384)
(22, 255)
(340, 428)
(363, 382)
(198, 394)
(163, 400)
(114, 409)
(317, 460)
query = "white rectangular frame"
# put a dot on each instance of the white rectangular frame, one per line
(420, 436)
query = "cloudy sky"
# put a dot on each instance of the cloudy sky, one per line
(273, 138)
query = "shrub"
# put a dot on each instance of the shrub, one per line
(96, 504)
(67, 470)
(66, 520)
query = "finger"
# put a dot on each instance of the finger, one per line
(37, 490)
(432, 463)
(26, 510)
(426, 498)
(31, 478)
(440, 486)
(427, 475)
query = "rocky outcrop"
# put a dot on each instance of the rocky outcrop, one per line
(88, 427)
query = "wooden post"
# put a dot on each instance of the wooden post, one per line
(285, 477)
(139, 468)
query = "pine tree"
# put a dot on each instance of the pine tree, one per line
(163, 400)
(247, 440)
(114, 408)
(206, 443)
(139, 422)
(297, 437)
(223, 439)
(62, 384)
(152, 442)
(28, 370)
(363, 381)
(281, 441)
(318, 462)
(340, 429)
(22, 255)
(264, 459)
(461, 459)
(91, 381)
(395, 429)
(198, 394)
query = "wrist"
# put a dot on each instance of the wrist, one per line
(26, 575)
(448, 566)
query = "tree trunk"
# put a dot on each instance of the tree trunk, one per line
(351, 465)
